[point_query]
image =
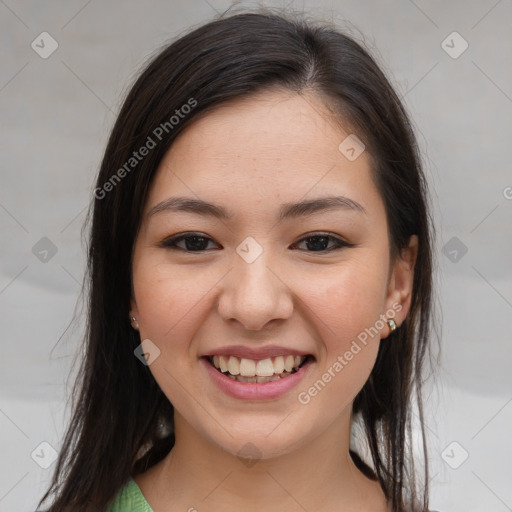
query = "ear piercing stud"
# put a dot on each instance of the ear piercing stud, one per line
(135, 324)
(392, 325)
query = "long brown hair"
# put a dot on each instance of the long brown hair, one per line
(122, 423)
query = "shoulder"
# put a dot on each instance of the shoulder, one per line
(130, 499)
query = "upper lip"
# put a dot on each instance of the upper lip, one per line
(255, 353)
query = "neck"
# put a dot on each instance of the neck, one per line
(198, 474)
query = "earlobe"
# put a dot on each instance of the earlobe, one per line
(134, 322)
(133, 315)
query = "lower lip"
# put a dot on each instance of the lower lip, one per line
(256, 391)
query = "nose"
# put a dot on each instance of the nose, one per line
(254, 294)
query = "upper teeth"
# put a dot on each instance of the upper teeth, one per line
(261, 368)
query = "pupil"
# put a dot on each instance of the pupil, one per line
(323, 241)
(196, 246)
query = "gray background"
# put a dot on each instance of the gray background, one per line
(56, 115)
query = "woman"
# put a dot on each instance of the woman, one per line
(260, 284)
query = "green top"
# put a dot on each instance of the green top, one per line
(131, 499)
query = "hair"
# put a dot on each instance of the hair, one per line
(122, 423)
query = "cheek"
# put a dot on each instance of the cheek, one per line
(340, 380)
(169, 300)
(347, 307)
(347, 302)
(348, 325)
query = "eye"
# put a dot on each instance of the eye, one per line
(194, 242)
(319, 242)
(198, 242)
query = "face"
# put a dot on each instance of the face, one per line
(262, 285)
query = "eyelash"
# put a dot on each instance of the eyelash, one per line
(171, 243)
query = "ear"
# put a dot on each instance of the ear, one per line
(400, 285)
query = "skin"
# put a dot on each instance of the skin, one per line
(250, 156)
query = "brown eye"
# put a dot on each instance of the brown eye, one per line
(194, 242)
(320, 243)
(197, 242)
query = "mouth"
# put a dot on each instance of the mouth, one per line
(260, 371)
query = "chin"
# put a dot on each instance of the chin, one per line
(264, 441)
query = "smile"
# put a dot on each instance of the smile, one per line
(257, 371)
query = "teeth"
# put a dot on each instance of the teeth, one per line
(259, 380)
(223, 364)
(234, 365)
(279, 364)
(247, 368)
(264, 370)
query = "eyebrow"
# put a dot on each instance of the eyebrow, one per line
(286, 211)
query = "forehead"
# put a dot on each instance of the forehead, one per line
(283, 123)
(275, 145)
